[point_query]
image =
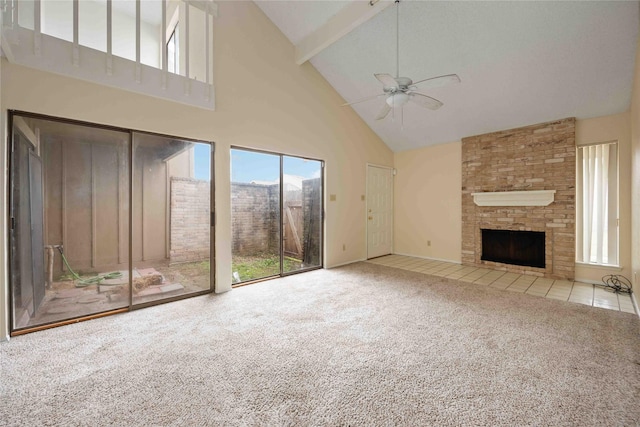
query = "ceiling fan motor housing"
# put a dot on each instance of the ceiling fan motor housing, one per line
(403, 84)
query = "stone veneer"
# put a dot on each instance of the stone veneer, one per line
(538, 157)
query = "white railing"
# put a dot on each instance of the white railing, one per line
(105, 48)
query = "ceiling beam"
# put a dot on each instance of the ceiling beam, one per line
(341, 24)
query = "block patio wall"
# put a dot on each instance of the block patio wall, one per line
(255, 219)
(190, 220)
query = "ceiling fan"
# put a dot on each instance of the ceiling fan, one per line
(400, 90)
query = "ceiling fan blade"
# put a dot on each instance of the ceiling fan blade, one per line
(383, 113)
(369, 98)
(387, 80)
(425, 101)
(438, 81)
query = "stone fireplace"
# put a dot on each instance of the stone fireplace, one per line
(521, 180)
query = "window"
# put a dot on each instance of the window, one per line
(173, 60)
(597, 204)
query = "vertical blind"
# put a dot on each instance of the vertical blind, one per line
(597, 204)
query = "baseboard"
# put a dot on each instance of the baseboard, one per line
(635, 303)
(429, 258)
(4, 339)
(344, 263)
(589, 281)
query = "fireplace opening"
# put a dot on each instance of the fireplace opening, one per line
(513, 247)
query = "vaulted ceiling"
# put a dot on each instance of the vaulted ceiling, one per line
(520, 62)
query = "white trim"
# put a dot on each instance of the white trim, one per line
(5, 299)
(185, 37)
(163, 52)
(635, 303)
(109, 37)
(589, 281)
(329, 267)
(207, 48)
(15, 21)
(173, 22)
(37, 27)
(599, 266)
(138, 71)
(379, 166)
(93, 70)
(76, 34)
(429, 258)
(27, 132)
(342, 23)
(514, 198)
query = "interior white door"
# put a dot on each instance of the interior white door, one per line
(379, 211)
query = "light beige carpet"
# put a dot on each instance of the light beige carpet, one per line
(359, 345)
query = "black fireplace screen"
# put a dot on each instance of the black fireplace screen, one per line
(513, 247)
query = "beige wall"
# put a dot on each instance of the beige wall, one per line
(634, 118)
(604, 129)
(263, 99)
(427, 202)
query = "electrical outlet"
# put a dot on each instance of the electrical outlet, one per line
(332, 197)
(428, 242)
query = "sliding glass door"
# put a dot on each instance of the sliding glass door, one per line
(276, 205)
(301, 213)
(171, 217)
(104, 219)
(69, 221)
(255, 217)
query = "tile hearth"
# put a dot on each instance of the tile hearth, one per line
(563, 290)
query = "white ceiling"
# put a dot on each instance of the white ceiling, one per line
(520, 63)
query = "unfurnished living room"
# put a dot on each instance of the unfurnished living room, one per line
(306, 212)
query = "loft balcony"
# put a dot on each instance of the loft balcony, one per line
(160, 48)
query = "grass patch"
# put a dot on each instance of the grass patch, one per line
(259, 266)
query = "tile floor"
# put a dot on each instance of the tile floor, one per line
(564, 290)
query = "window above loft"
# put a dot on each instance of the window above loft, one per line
(173, 57)
(162, 48)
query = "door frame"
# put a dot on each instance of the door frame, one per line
(366, 209)
(281, 156)
(12, 115)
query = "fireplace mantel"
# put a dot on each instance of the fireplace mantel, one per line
(514, 198)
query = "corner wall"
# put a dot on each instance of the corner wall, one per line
(616, 127)
(263, 99)
(427, 203)
(4, 289)
(635, 178)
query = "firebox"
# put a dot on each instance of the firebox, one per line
(514, 247)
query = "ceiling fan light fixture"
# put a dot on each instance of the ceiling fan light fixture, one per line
(398, 91)
(397, 99)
